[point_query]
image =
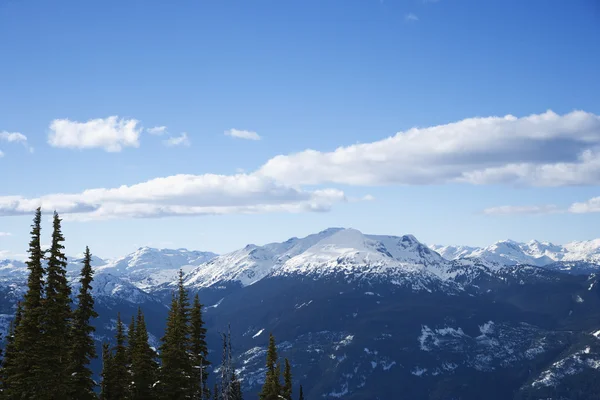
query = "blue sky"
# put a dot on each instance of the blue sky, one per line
(320, 75)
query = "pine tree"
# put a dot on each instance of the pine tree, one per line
(131, 338)
(25, 376)
(175, 368)
(106, 392)
(8, 362)
(83, 349)
(199, 352)
(56, 320)
(287, 381)
(119, 371)
(272, 386)
(236, 388)
(301, 396)
(216, 392)
(143, 363)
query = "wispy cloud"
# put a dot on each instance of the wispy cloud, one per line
(584, 207)
(522, 210)
(14, 137)
(5, 234)
(157, 130)
(111, 133)
(537, 150)
(181, 140)
(410, 17)
(179, 195)
(242, 134)
(590, 206)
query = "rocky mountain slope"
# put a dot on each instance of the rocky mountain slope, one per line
(369, 316)
(533, 252)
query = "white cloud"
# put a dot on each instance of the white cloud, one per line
(241, 134)
(521, 210)
(157, 130)
(111, 133)
(179, 195)
(590, 206)
(538, 150)
(181, 140)
(411, 17)
(1, 154)
(5, 234)
(14, 137)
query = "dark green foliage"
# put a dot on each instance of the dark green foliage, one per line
(8, 362)
(272, 386)
(286, 391)
(82, 343)
(131, 337)
(236, 388)
(24, 377)
(56, 320)
(176, 368)
(143, 363)
(120, 370)
(107, 376)
(301, 396)
(216, 392)
(199, 353)
(115, 372)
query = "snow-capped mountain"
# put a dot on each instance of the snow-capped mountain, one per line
(330, 252)
(148, 267)
(509, 252)
(365, 316)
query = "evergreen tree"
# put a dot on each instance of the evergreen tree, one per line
(175, 368)
(106, 392)
(236, 388)
(82, 344)
(8, 362)
(131, 338)
(301, 396)
(287, 381)
(216, 392)
(143, 363)
(24, 376)
(271, 389)
(199, 352)
(119, 370)
(56, 321)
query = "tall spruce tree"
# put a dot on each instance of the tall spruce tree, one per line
(286, 391)
(143, 363)
(8, 361)
(175, 370)
(56, 322)
(199, 352)
(25, 376)
(83, 349)
(271, 389)
(120, 370)
(106, 392)
(131, 338)
(301, 395)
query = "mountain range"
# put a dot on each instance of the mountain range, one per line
(370, 316)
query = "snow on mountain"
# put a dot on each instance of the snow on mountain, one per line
(453, 252)
(537, 253)
(588, 251)
(252, 263)
(149, 267)
(348, 251)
